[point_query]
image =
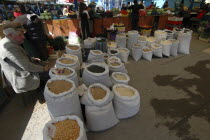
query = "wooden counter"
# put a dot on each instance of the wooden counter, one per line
(64, 26)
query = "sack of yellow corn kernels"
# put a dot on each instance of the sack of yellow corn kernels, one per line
(62, 98)
(99, 109)
(67, 73)
(65, 128)
(119, 78)
(126, 101)
(95, 56)
(117, 67)
(74, 50)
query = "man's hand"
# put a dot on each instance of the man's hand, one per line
(36, 60)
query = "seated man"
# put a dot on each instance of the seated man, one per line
(19, 69)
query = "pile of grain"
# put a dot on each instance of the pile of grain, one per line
(122, 50)
(70, 56)
(97, 93)
(147, 50)
(166, 42)
(97, 52)
(73, 47)
(67, 61)
(59, 86)
(137, 45)
(123, 91)
(120, 76)
(113, 51)
(96, 69)
(63, 71)
(66, 130)
(142, 38)
(150, 39)
(115, 64)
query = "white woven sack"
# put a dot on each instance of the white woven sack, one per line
(117, 81)
(184, 42)
(111, 45)
(176, 32)
(124, 53)
(120, 68)
(121, 40)
(78, 52)
(116, 54)
(147, 55)
(132, 38)
(50, 130)
(73, 57)
(136, 52)
(157, 51)
(90, 78)
(170, 34)
(160, 35)
(66, 103)
(166, 48)
(100, 118)
(141, 42)
(113, 59)
(150, 41)
(62, 65)
(90, 43)
(72, 76)
(126, 106)
(94, 57)
(174, 47)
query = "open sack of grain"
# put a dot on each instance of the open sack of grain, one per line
(74, 50)
(170, 34)
(166, 46)
(114, 52)
(160, 35)
(117, 67)
(99, 110)
(142, 40)
(123, 53)
(120, 78)
(95, 56)
(121, 40)
(96, 73)
(157, 50)
(67, 62)
(113, 59)
(126, 101)
(150, 41)
(111, 45)
(174, 47)
(184, 42)
(65, 128)
(62, 98)
(132, 38)
(73, 57)
(65, 73)
(147, 53)
(137, 52)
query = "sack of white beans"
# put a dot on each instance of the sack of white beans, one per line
(74, 50)
(157, 50)
(95, 56)
(120, 78)
(126, 101)
(63, 128)
(117, 67)
(66, 73)
(123, 53)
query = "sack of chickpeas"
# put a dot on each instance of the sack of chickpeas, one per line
(74, 50)
(99, 109)
(66, 73)
(65, 128)
(126, 101)
(95, 56)
(62, 98)
(120, 78)
(117, 67)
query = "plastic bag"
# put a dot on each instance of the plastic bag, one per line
(126, 106)
(119, 81)
(73, 38)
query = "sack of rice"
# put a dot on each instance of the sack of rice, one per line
(114, 52)
(136, 52)
(74, 50)
(184, 42)
(150, 41)
(147, 53)
(126, 101)
(117, 67)
(170, 34)
(65, 73)
(112, 45)
(121, 40)
(62, 98)
(123, 53)
(120, 78)
(96, 56)
(166, 46)
(90, 43)
(174, 47)
(157, 50)
(96, 73)
(142, 40)
(73, 57)
(160, 35)
(65, 128)
(67, 62)
(113, 59)
(132, 38)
